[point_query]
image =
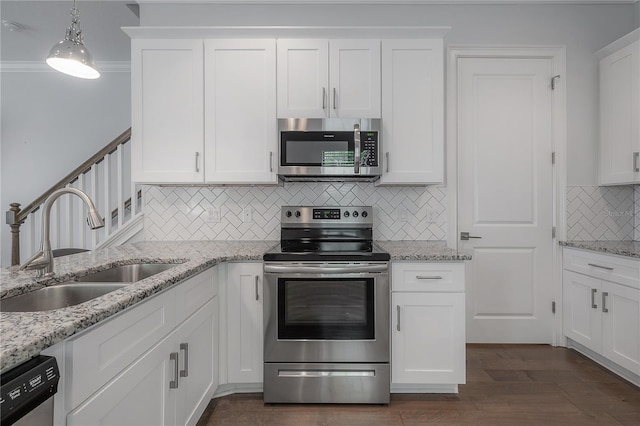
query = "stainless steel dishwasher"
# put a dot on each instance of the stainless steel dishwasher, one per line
(26, 392)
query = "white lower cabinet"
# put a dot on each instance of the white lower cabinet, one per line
(428, 327)
(601, 315)
(244, 323)
(132, 382)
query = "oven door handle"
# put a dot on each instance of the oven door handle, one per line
(280, 269)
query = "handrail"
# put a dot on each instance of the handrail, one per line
(16, 216)
(33, 206)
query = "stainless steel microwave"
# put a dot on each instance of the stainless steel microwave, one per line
(319, 155)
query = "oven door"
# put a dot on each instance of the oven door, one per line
(326, 312)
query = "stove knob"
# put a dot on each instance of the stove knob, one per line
(297, 213)
(346, 213)
(365, 214)
(355, 213)
(288, 213)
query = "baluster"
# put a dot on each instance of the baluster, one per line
(119, 192)
(66, 232)
(93, 174)
(107, 204)
(81, 226)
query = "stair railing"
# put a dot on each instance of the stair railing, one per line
(105, 177)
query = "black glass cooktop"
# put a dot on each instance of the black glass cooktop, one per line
(326, 251)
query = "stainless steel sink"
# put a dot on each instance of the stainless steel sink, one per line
(126, 273)
(57, 296)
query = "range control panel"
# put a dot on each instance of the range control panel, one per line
(318, 216)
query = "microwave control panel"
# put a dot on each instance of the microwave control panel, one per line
(369, 149)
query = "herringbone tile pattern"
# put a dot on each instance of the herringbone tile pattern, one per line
(181, 213)
(600, 213)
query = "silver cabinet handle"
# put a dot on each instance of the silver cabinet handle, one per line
(185, 347)
(398, 311)
(173, 357)
(424, 277)
(593, 298)
(356, 147)
(636, 168)
(604, 300)
(334, 97)
(257, 294)
(464, 236)
(271, 161)
(386, 161)
(600, 266)
(197, 162)
(324, 98)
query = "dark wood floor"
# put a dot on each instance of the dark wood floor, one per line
(506, 385)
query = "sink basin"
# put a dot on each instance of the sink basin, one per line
(126, 273)
(57, 296)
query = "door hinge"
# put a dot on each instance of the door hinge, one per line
(553, 158)
(553, 232)
(553, 81)
(553, 307)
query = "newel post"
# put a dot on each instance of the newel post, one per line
(14, 223)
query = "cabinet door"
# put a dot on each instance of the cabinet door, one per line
(428, 340)
(241, 135)
(303, 78)
(621, 325)
(620, 116)
(412, 112)
(244, 326)
(196, 340)
(167, 111)
(138, 396)
(354, 78)
(582, 319)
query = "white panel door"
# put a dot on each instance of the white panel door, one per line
(245, 333)
(166, 110)
(620, 116)
(505, 197)
(354, 78)
(621, 325)
(582, 320)
(241, 135)
(412, 112)
(303, 78)
(428, 344)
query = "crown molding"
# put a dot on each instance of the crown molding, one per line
(41, 66)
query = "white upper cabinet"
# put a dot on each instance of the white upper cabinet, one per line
(241, 135)
(328, 78)
(412, 112)
(620, 112)
(167, 111)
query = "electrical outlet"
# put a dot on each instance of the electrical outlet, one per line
(402, 214)
(247, 215)
(213, 215)
(431, 215)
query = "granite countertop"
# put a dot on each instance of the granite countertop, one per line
(621, 248)
(25, 334)
(422, 250)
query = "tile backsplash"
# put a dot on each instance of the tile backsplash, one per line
(183, 212)
(602, 213)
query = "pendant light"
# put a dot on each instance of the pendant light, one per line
(70, 56)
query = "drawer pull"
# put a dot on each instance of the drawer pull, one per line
(173, 357)
(185, 347)
(593, 298)
(604, 300)
(398, 310)
(426, 277)
(257, 287)
(600, 266)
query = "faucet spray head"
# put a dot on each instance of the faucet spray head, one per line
(94, 220)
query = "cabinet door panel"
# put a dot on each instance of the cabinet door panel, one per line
(582, 321)
(621, 325)
(429, 347)
(303, 78)
(167, 111)
(241, 136)
(354, 78)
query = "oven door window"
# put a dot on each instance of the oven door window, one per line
(326, 309)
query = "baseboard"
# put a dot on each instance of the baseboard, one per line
(122, 236)
(606, 363)
(231, 388)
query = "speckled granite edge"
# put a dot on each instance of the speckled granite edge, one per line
(620, 248)
(434, 251)
(24, 335)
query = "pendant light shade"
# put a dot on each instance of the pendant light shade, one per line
(70, 56)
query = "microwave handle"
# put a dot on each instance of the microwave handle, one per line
(356, 152)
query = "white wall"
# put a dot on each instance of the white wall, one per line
(582, 28)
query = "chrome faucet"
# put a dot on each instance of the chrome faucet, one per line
(42, 261)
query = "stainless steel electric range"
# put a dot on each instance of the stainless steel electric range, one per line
(326, 309)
